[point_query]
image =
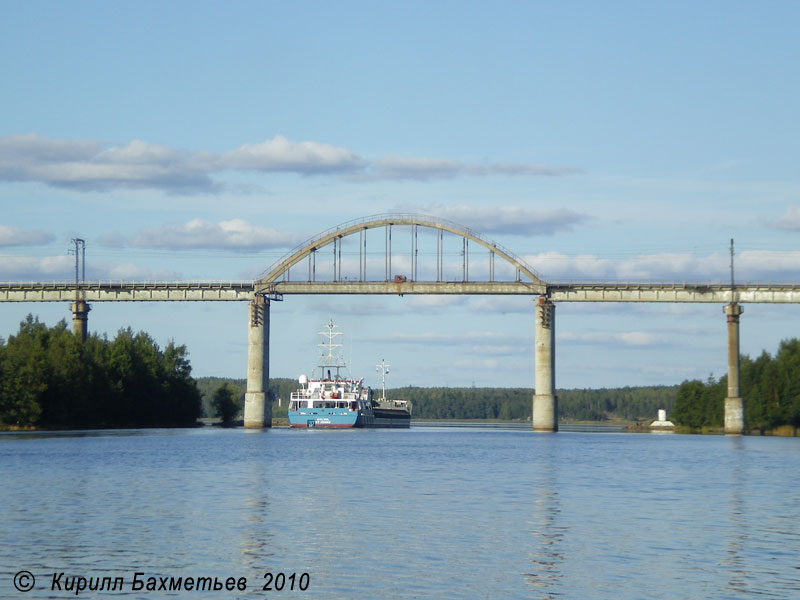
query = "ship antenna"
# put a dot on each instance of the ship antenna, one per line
(733, 285)
(383, 369)
(329, 357)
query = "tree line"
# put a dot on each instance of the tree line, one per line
(50, 378)
(770, 387)
(506, 404)
(515, 404)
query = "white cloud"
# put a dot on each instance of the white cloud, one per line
(519, 169)
(511, 219)
(361, 307)
(24, 268)
(761, 265)
(750, 265)
(789, 221)
(671, 266)
(640, 338)
(475, 340)
(32, 149)
(280, 154)
(89, 165)
(629, 338)
(559, 266)
(62, 268)
(232, 234)
(14, 236)
(503, 304)
(435, 303)
(130, 272)
(497, 351)
(424, 169)
(492, 365)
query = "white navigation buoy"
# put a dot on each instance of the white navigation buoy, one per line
(661, 422)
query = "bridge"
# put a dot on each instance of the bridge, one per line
(326, 264)
(245, 291)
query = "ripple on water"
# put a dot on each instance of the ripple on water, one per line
(423, 513)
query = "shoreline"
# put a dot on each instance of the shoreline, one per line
(573, 426)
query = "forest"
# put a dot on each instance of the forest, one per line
(515, 404)
(506, 404)
(51, 379)
(770, 387)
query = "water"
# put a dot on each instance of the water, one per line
(421, 513)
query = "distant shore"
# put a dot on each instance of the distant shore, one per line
(587, 426)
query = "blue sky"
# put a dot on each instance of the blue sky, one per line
(600, 141)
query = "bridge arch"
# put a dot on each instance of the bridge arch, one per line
(332, 235)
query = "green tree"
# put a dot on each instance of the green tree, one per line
(224, 404)
(50, 378)
(23, 379)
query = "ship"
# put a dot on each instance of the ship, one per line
(335, 400)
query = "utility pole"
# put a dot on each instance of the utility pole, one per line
(80, 249)
(80, 309)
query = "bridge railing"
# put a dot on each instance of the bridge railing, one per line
(97, 283)
(424, 220)
(554, 283)
(669, 283)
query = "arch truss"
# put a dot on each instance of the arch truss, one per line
(398, 260)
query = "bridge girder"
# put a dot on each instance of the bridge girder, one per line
(509, 288)
(187, 291)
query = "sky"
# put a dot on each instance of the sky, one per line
(613, 141)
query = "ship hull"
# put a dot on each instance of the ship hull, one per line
(322, 419)
(325, 419)
(395, 419)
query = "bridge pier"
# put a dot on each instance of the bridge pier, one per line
(257, 403)
(80, 319)
(734, 405)
(545, 402)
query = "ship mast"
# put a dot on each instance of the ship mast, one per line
(330, 359)
(383, 369)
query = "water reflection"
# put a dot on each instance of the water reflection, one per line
(738, 527)
(8, 436)
(547, 528)
(257, 538)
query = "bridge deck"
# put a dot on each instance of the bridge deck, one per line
(129, 291)
(245, 291)
(778, 293)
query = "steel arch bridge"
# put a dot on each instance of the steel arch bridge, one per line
(277, 278)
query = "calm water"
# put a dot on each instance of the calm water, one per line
(420, 513)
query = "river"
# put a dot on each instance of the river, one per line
(422, 513)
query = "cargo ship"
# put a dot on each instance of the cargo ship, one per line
(337, 401)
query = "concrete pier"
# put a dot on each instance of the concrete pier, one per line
(545, 402)
(80, 319)
(257, 404)
(734, 405)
